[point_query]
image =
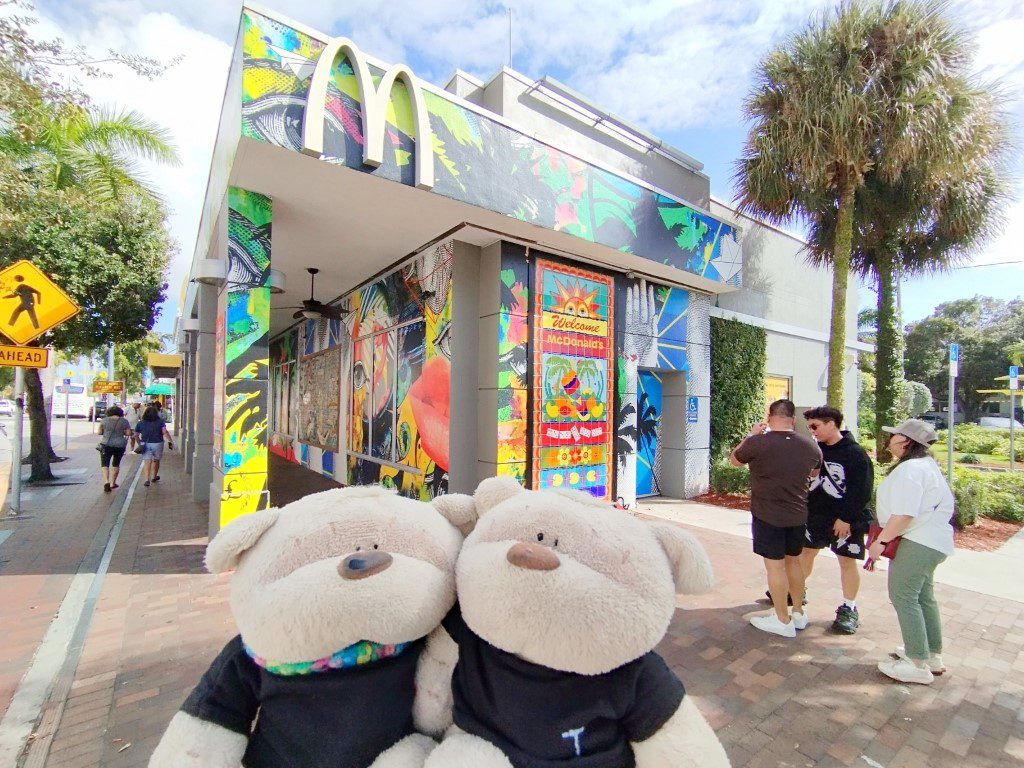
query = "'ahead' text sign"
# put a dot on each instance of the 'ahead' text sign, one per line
(24, 357)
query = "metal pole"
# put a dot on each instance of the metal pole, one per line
(1013, 418)
(952, 422)
(19, 415)
(67, 399)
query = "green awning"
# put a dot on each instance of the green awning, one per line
(159, 388)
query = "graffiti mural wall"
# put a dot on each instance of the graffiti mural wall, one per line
(573, 379)
(477, 160)
(243, 331)
(513, 364)
(319, 399)
(399, 382)
(649, 443)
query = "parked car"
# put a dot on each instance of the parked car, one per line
(99, 410)
(6, 408)
(998, 422)
(937, 420)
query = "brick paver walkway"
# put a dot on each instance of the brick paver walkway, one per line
(814, 701)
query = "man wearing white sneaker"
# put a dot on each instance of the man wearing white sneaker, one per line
(781, 462)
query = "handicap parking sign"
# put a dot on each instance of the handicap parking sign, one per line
(691, 410)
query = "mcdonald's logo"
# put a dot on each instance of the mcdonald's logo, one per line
(374, 101)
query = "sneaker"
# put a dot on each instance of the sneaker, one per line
(847, 620)
(146, 483)
(771, 623)
(800, 620)
(106, 487)
(156, 478)
(906, 671)
(934, 661)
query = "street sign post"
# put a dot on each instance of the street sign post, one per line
(1013, 412)
(67, 399)
(954, 371)
(107, 387)
(35, 302)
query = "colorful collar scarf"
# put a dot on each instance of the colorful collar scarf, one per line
(363, 652)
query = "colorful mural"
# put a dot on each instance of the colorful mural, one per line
(477, 160)
(319, 399)
(652, 334)
(573, 375)
(243, 353)
(513, 363)
(399, 383)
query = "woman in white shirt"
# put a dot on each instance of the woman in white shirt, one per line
(914, 501)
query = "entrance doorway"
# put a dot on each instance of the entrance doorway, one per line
(661, 433)
(648, 426)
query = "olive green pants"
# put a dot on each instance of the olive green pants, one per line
(912, 593)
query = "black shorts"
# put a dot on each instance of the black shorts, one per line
(773, 542)
(111, 456)
(820, 535)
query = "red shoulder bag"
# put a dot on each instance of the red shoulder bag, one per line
(890, 546)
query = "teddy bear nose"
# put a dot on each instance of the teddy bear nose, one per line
(532, 557)
(363, 564)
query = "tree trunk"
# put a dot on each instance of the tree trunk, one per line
(39, 427)
(889, 374)
(840, 278)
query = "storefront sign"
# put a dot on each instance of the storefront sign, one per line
(24, 357)
(374, 100)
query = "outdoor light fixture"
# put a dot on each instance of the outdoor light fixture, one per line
(210, 272)
(276, 281)
(190, 324)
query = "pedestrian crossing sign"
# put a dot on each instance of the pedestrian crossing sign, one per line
(31, 303)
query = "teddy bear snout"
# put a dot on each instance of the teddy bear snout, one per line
(533, 557)
(361, 565)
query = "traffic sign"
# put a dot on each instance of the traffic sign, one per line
(67, 382)
(36, 304)
(24, 357)
(1013, 377)
(107, 387)
(691, 410)
(954, 360)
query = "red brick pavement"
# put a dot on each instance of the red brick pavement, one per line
(814, 701)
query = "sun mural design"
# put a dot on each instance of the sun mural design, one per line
(573, 299)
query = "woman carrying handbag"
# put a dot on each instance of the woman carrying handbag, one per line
(914, 505)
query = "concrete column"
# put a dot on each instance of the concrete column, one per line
(204, 363)
(486, 395)
(698, 385)
(462, 469)
(189, 445)
(243, 363)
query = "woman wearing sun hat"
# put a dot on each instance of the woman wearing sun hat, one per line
(915, 502)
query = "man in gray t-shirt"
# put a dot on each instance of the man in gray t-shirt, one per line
(781, 461)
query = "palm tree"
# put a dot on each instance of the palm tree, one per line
(860, 90)
(943, 207)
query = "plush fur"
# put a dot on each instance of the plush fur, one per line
(609, 601)
(291, 605)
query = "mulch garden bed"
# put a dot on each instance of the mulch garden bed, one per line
(987, 536)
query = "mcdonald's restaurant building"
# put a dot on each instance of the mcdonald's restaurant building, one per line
(510, 281)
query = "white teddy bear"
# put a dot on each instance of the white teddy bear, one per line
(334, 597)
(562, 599)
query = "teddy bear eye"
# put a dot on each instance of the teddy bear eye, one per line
(359, 549)
(556, 542)
(540, 537)
(375, 546)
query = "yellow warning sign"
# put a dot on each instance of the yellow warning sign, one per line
(31, 303)
(24, 357)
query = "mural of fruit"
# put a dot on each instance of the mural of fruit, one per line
(430, 406)
(570, 383)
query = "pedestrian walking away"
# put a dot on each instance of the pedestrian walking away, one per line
(781, 464)
(133, 415)
(116, 432)
(915, 504)
(151, 431)
(837, 508)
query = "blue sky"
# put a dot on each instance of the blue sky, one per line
(678, 68)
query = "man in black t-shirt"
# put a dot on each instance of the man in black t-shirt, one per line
(781, 461)
(837, 508)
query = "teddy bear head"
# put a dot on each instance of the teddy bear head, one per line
(340, 567)
(569, 582)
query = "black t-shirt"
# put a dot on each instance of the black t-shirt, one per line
(843, 489)
(544, 718)
(342, 718)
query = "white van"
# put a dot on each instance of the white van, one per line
(78, 402)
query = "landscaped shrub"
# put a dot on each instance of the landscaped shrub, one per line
(997, 495)
(969, 458)
(970, 438)
(725, 478)
(738, 355)
(966, 500)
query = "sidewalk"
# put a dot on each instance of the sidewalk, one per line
(814, 701)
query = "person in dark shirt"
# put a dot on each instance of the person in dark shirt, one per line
(152, 430)
(541, 717)
(781, 461)
(837, 508)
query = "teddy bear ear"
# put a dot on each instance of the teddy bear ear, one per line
(691, 567)
(223, 552)
(458, 509)
(493, 491)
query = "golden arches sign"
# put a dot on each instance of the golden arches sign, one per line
(374, 105)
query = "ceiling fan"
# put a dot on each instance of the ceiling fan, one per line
(312, 309)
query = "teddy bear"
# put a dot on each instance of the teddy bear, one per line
(339, 661)
(561, 601)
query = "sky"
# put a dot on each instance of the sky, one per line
(678, 68)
